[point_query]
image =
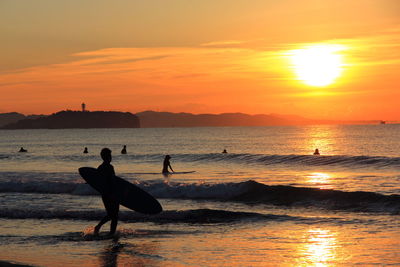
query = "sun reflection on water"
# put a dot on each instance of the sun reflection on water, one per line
(320, 248)
(322, 137)
(320, 179)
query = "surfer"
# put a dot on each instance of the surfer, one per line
(123, 151)
(316, 152)
(109, 200)
(85, 151)
(22, 150)
(166, 164)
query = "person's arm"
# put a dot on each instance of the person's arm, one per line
(169, 164)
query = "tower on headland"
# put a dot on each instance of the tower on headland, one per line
(83, 107)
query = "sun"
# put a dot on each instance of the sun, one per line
(317, 65)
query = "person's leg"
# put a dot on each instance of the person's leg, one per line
(103, 221)
(106, 202)
(114, 217)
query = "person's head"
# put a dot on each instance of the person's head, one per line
(167, 157)
(106, 154)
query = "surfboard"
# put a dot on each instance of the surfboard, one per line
(154, 173)
(182, 172)
(170, 173)
(128, 194)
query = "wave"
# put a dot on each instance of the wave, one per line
(171, 216)
(298, 160)
(250, 192)
(259, 159)
(322, 198)
(194, 216)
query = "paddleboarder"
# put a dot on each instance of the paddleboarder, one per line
(109, 200)
(166, 164)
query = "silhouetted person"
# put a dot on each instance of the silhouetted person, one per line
(316, 152)
(22, 150)
(224, 151)
(85, 151)
(166, 164)
(123, 151)
(109, 199)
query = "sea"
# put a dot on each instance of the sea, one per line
(267, 202)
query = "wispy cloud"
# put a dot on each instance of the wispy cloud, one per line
(227, 43)
(122, 61)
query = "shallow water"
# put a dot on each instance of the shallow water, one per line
(268, 202)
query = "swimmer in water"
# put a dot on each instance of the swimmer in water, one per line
(22, 150)
(316, 152)
(85, 151)
(123, 151)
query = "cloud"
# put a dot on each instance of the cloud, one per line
(228, 43)
(123, 61)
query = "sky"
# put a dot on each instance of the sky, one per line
(321, 59)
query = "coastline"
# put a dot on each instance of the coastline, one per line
(13, 264)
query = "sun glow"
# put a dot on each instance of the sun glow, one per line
(323, 180)
(317, 65)
(320, 248)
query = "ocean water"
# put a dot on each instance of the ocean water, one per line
(267, 202)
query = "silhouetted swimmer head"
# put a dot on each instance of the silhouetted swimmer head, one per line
(85, 150)
(224, 151)
(106, 155)
(22, 150)
(316, 152)
(123, 151)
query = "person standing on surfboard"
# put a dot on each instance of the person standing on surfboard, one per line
(109, 200)
(166, 164)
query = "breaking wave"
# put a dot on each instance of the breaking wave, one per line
(246, 192)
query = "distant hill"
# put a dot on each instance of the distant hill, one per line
(11, 117)
(79, 119)
(6, 118)
(154, 119)
(168, 119)
(150, 119)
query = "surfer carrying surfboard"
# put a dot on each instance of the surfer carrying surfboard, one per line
(110, 201)
(166, 164)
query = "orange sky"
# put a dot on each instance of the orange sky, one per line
(198, 56)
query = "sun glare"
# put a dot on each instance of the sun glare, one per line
(317, 65)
